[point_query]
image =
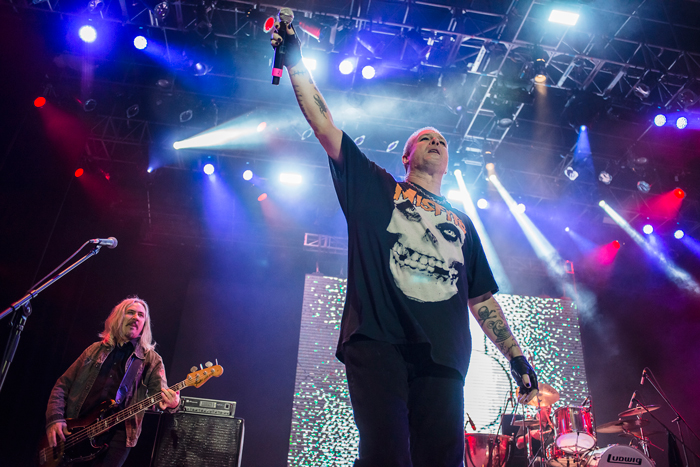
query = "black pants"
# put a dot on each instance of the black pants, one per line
(409, 410)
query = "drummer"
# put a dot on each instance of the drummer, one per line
(543, 428)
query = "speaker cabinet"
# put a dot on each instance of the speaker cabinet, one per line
(189, 440)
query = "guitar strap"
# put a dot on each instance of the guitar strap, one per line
(135, 365)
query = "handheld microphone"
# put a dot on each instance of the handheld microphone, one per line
(644, 377)
(634, 398)
(471, 422)
(587, 399)
(286, 16)
(110, 242)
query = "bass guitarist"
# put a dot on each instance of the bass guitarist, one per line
(123, 367)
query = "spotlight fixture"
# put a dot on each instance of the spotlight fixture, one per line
(570, 173)
(290, 178)
(186, 116)
(208, 169)
(201, 68)
(261, 127)
(642, 91)
(359, 140)
(262, 197)
(248, 174)
(660, 120)
(563, 17)
(87, 34)
(521, 208)
(307, 134)
(679, 193)
(140, 42)
(482, 203)
(39, 102)
(678, 234)
(681, 123)
(79, 172)
(616, 244)
(540, 71)
(392, 146)
(132, 111)
(368, 72)
(648, 229)
(90, 105)
(346, 66)
(161, 10)
(643, 186)
(567, 229)
(605, 177)
(95, 6)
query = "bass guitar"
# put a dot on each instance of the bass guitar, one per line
(86, 440)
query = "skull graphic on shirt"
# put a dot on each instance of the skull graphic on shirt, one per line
(427, 256)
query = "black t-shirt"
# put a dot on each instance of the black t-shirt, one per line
(413, 262)
(109, 378)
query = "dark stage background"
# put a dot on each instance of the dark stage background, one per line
(240, 301)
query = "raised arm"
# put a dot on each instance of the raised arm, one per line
(310, 100)
(489, 315)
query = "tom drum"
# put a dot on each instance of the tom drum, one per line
(574, 429)
(486, 450)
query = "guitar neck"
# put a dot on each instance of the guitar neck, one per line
(101, 426)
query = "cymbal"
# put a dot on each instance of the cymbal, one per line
(620, 426)
(526, 422)
(637, 411)
(546, 395)
(638, 433)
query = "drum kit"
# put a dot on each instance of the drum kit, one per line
(567, 435)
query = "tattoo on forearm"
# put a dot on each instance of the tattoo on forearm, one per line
(500, 330)
(484, 314)
(299, 72)
(507, 349)
(321, 105)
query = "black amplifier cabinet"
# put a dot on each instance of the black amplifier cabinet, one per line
(188, 439)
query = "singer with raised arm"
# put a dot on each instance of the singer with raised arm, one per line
(415, 266)
(123, 367)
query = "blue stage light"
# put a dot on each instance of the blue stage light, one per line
(679, 234)
(584, 128)
(368, 72)
(660, 120)
(346, 66)
(209, 169)
(648, 229)
(87, 34)
(140, 42)
(248, 174)
(681, 123)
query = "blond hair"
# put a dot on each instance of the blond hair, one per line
(113, 333)
(412, 142)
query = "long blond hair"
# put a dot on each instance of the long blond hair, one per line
(114, 325)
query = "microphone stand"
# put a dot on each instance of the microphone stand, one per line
(652, 380)
(23, 308)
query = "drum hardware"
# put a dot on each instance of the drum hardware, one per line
(637, 411)
(620, 426)
(638, 434)
(526, 422)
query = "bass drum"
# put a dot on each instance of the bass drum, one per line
(617, 455)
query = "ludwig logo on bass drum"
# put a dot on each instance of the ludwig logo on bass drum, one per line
(624, 460)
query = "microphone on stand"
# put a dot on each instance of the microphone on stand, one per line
(471, 422)
(110, 242)
(632, 400)
(286, 16)
(644, 377)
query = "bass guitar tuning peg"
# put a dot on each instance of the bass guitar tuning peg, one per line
(209, 364)
(193, 369)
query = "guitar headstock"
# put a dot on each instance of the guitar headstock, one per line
(199, 377)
